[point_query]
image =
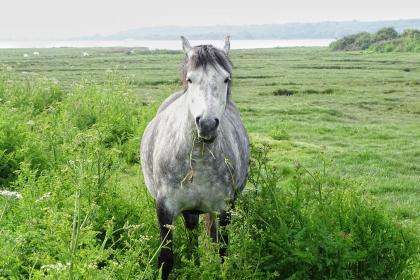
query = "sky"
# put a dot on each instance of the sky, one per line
(63, 19)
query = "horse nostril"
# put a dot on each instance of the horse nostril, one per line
(217, 122)
(197, 120)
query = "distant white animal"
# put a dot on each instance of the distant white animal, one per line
(25, 55)
(85, 54)
(36, 53)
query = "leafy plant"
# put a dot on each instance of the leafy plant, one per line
(384, 40)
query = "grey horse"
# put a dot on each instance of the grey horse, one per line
(195, 152)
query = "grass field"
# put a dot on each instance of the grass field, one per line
(348, 123)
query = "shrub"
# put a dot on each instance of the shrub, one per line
(411, 33)
(385, 34)
(79, 212)
(363, 41)
(20, 133)
(384, 40)
(352, 42)
(315, 227)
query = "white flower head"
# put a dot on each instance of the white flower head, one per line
(170, 227)
(44, 197)
(30, 123)
(10, 194)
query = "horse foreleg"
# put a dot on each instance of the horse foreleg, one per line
(166, 257)
(224, 221)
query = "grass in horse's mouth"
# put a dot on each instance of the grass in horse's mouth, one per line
(204, 140)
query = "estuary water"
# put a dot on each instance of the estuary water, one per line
(168, 44)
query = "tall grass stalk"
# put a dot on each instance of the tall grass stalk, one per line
(75, 232)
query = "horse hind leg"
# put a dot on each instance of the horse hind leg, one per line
(211, 226)
(219, 234)
(166, 257)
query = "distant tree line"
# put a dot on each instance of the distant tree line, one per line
(307, 30)
(384, 40)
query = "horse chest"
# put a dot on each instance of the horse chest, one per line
(206, 186)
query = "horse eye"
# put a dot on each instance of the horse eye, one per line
(189, 81)
(227, 80)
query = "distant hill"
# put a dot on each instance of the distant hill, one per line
(316, 30)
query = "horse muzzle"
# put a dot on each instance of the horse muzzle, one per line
(207, 128)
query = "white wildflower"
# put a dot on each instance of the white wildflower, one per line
(170, 227)
(92, 266)
(30, 123)
(10, 194)
(44, 196)
(56, 267)
(144, 237)
(51, 109)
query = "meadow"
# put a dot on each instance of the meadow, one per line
(334, 186)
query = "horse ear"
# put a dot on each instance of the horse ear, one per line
(185, 45)
(226, 48)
